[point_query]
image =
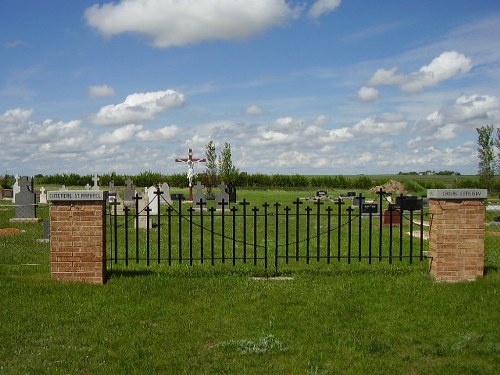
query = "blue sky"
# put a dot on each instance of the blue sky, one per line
(311, 87)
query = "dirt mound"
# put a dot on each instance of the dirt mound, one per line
(6, 231)
(392, 186)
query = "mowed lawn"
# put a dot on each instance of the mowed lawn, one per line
(336, 319)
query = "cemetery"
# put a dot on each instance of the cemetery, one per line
(267, 280)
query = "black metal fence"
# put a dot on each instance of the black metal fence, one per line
(271, 236)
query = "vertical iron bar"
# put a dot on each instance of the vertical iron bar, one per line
(179, 217)
(126, 210)
(147, 233)
(318, 203)
(339, 202)
(391, 211)
(359, 225)
(401, 233)
(381, 193)
(349, 233)
(297, 202)
(287, 234)
(370, 237)
(212, 236)
(233, 210)
(245, 204)
(223, 203)
(276, 213)
(136, 198)
(201, 203)
(265, 205)
(329, 234)
(421, 230)
(308, 228)
(169, 240)
(115, 203)
(158, 193)
(190, 210)
(411, 236)
(255, 209)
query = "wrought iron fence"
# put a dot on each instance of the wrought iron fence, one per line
(268, 235)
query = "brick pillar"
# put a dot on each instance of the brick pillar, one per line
(456, 241)
(78, 241)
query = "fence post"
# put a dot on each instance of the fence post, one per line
(456, 238)
(78, 236)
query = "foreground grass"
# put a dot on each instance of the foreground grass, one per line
(341, 319)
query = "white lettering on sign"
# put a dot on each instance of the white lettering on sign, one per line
(75, 195)
(457, 193)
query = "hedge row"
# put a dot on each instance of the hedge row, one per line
(247, 181)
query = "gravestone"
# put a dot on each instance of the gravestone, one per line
(46, 232)
(43, 195)
(222, 196)
(231, 191)
(25, 201)
(129, 193)
(96, 182)
(142, 214)
(165, 196)
(198, 193)
(358, 201)
(15, 189)
(152, 200)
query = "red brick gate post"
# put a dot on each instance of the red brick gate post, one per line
(78, 236)
(456, 238)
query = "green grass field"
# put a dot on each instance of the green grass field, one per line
(337, 319)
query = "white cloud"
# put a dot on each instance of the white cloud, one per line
(138, 107)
(175, 23)
(120, 135)
(101, 91)
(463, 116)
(385, 124)
(167, 132)
(254, 110)
(15, 115)
(321, 7)
(447, 65)
(368, 94)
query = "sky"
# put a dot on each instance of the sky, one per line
(324, 87)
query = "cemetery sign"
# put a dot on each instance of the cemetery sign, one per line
(76, 195)
(457, 193)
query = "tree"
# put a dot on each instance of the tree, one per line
(486, 154)
(227, 170)
(210, 175)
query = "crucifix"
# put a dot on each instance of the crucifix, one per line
(190, 161)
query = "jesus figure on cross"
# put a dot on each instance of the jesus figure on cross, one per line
(190, 161)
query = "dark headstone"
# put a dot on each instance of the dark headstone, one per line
(370, 208)
(25, 199)
(231, 191)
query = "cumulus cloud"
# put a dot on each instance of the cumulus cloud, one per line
(368, 94)
(15, 115)
(176, 23)
(385, 124)
(321, 7)
(447, 65)
(167, 132)
(120, 135)
(464, 115)
(138, 107)
(254, 110)
(101, 91)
